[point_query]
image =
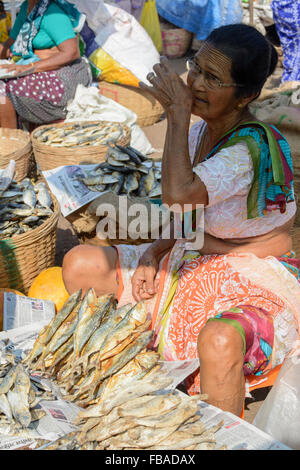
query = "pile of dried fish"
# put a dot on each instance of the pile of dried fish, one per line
(97, 354)
(125, 171)
(19, 399)
(80, 134)
(91, 347)
(146, 417)
(23, 207)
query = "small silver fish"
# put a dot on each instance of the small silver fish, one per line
(29, 197)
(131, 183)
(44, 197)
(156, 190)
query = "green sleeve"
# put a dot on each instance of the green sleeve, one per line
(20, 19)
(57, 25)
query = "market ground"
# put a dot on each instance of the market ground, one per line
(66, 237)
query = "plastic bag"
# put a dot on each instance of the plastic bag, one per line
(5, 27)
(121, 36)
(104, 67)
(279, 415)
(149, 20)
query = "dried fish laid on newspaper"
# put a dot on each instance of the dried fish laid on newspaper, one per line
(91, 347)
(126, 171)
(24, 206)
(146, 417)
(98, 355)
(19, 399)
(82, 134)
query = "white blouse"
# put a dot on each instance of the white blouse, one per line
(228, 176)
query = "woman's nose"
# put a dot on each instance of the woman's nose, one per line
(198, 82)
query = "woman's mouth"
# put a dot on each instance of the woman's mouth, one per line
(200, 100)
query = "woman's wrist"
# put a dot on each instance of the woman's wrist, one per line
(179, 113)
(159, 248)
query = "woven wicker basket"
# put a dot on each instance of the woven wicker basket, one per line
(24, 256)
(15, 144)
(176, 41)
(49, 157)
(147, 108)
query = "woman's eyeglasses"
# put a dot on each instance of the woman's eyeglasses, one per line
(209, 80)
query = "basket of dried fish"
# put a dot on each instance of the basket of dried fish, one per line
(29, 217)
(125, 171)
(141, 102)
(75, 143)
(15, 144)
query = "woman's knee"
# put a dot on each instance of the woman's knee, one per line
(220, 342)
(86, 266)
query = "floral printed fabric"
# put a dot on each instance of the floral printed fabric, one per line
(208, 287)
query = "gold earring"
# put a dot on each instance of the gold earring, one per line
(240, 106)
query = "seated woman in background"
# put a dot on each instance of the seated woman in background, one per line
(43, 42)
(235, 302)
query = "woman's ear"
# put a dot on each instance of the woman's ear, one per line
(244, 101)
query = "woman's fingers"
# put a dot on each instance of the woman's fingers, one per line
(150, 273)
(137, 283)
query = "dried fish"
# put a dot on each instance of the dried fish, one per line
(124, 172)
(25, 205)
(8, 380)
(80, 135)
(5, 407)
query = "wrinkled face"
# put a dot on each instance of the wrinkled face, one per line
(210, 100)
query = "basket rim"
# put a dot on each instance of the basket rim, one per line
(41, 228)
(10, 135)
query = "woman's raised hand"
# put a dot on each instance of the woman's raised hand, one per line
(168, 87)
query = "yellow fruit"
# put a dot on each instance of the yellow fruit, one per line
(2, 290)
(49, 285)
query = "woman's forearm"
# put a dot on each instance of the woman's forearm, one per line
(55, 61)
(176, 165)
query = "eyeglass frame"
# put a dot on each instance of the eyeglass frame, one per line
(199, 69)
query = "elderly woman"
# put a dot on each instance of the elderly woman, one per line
(235, 302)
(44, 46)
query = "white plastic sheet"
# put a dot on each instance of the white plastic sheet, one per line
(279, 415)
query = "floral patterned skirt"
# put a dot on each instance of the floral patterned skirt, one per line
(209, 289)
(255, 300)
(42, 97)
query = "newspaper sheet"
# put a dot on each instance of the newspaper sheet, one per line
(20, 311)
(70, 192)
(235, 433)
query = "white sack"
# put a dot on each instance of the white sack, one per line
(89, 105)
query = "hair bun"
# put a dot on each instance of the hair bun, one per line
(273, 59)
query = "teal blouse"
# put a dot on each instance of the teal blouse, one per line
(56, 27)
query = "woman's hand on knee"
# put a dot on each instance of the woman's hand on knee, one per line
(144, 280)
